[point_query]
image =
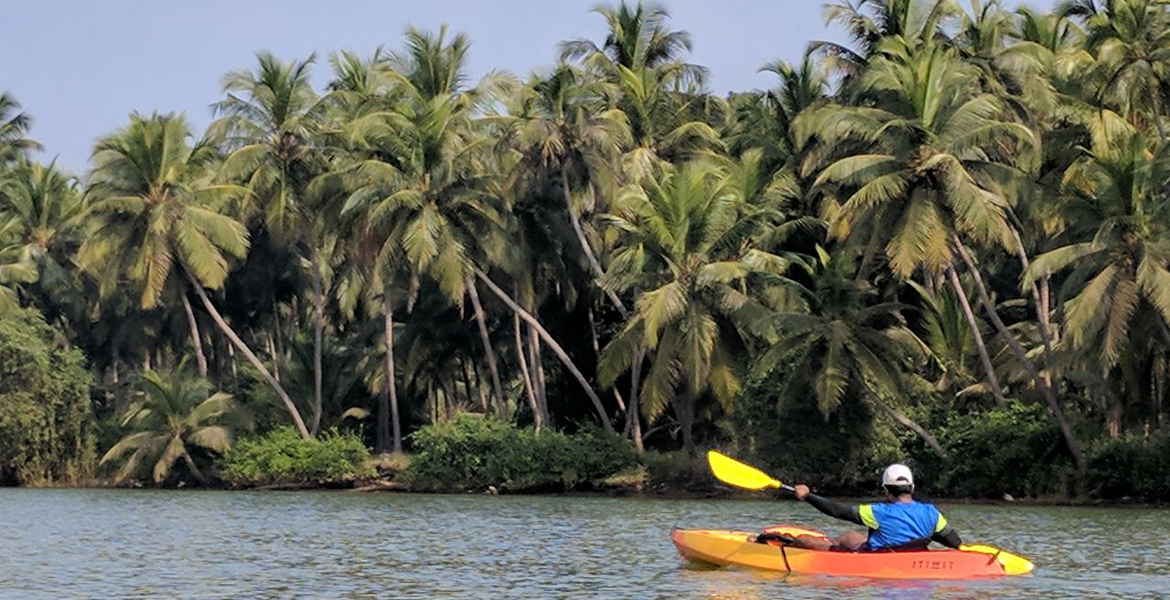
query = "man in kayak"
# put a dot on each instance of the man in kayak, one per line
(900, 523)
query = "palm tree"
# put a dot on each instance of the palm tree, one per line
(869, 22)
(155, 219)
(1116, 243)
(270, 120)
(766, 121)
(14, 146)
(418, 186)
(1131, 40)
(841, 340)
(920, 176)
(660, 94)
(37, 203)
(175, 411)
(686, 250)
(638, 38)
(566, 128)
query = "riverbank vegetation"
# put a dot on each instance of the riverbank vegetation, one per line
(945, 242)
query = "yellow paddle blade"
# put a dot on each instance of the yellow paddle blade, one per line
(732, 472)
(1012, 564)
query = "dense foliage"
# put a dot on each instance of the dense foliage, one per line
(45, 423)
(470, 452)
(283, 457)
(945, 241)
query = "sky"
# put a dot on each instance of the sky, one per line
(80, 67)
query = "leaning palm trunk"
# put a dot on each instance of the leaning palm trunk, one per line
(905, 421)
(1041, 300)
(196, 342)
(552, 343)
(493, 368)
(594, 264)
(251, 356)
(536, 362)
(318, 329)
(1029, 366)
(391, 388)
(525, 375)
(985, 358)
(194, 469)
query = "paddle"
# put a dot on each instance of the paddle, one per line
(732, 472)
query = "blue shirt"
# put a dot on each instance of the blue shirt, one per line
(892, 524)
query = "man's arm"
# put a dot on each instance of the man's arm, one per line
(837, 510)
(945, 534)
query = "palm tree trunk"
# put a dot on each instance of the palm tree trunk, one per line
(525, 375)
(477, 379)
(493, 368)
(1029, 366)
(196, 342)
(382, 429)
(277, 343)
(536, 359)
(598, 272)
(552, 343)
(194, 469)
(988, 369)
(633, 419)
(905, 421)
(391, 387)
(617, 395)
(271, 346)
(251, 356)
(318, 334)
(1039, 299)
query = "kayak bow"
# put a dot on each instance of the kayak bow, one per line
(739, 548)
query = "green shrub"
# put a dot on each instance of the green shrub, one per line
(473, 452)
(1131, 466)
(45, 433)
(1016, 450)
(283, 457)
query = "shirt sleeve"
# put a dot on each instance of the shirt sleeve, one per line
(945, 534)
(839, 510)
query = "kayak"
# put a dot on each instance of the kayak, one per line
(739, 548)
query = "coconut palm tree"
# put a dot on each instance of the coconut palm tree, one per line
(638, 37)
(14, 146)
(37, 203)
(869, 22)
(1131, 41)
(565, 130)
(269, 121)
(842, 340)
(418, 187)
(1117, 243)
(156, 220)
(919, 177)
(660, 94)
(174, 412)
(686, 251)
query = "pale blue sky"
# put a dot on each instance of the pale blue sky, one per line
(79, 68)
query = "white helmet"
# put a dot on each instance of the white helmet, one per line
(898, 474)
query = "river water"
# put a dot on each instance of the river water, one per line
(208, 544)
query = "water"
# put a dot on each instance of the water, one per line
(201, 544)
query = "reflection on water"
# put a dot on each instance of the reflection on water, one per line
(167, 544)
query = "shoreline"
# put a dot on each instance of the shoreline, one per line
(662, 493)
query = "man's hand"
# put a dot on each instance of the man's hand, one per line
(801, 491)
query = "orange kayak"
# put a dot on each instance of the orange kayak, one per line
(738, 548)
